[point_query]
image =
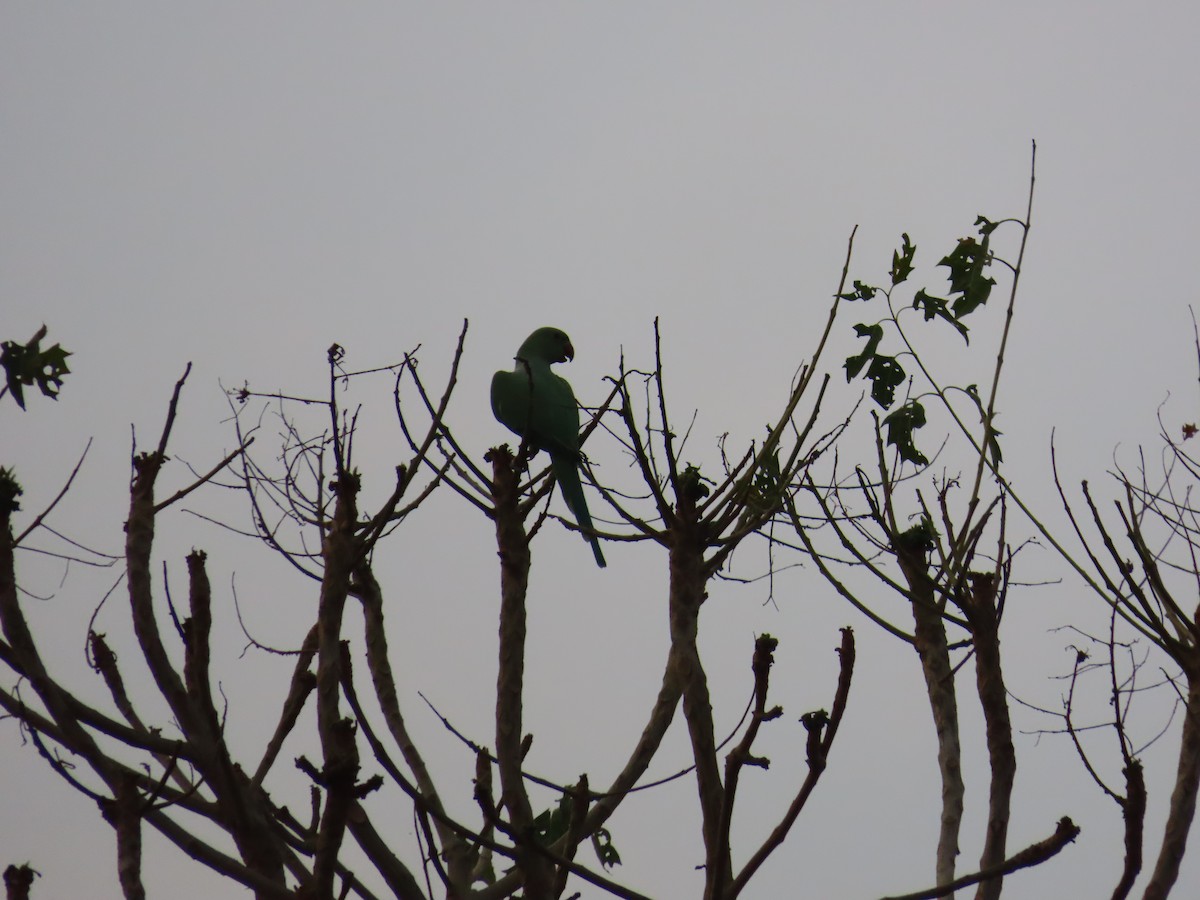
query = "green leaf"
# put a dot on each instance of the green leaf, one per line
(27, 364)
(991, 442)
(902, 260)
(920, 539)
(986, 225)
(993, 446)
(873, 334)
(886, 374)
(966, 264)
(553, 823)
(936, 307)
(605, 851)
(766, 488)
(900, 427)
(861, 292)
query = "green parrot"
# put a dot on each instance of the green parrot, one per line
(539, 406)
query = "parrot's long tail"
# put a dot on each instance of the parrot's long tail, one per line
(566, 472)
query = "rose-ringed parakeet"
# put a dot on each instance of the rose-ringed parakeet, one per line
(539, 406)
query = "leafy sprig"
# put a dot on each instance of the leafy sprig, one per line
(970, 285)
(27, 364)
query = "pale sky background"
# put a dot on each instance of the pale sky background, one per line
(242, 184)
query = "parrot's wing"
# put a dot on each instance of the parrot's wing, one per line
(538, 406)
(510, 401)
(555, 418)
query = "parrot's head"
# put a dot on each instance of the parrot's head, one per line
(550, 345)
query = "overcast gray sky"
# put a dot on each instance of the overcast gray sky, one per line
(242, 184)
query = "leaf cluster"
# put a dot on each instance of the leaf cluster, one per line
(553, 825)
(970, 287)
(27, 364)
